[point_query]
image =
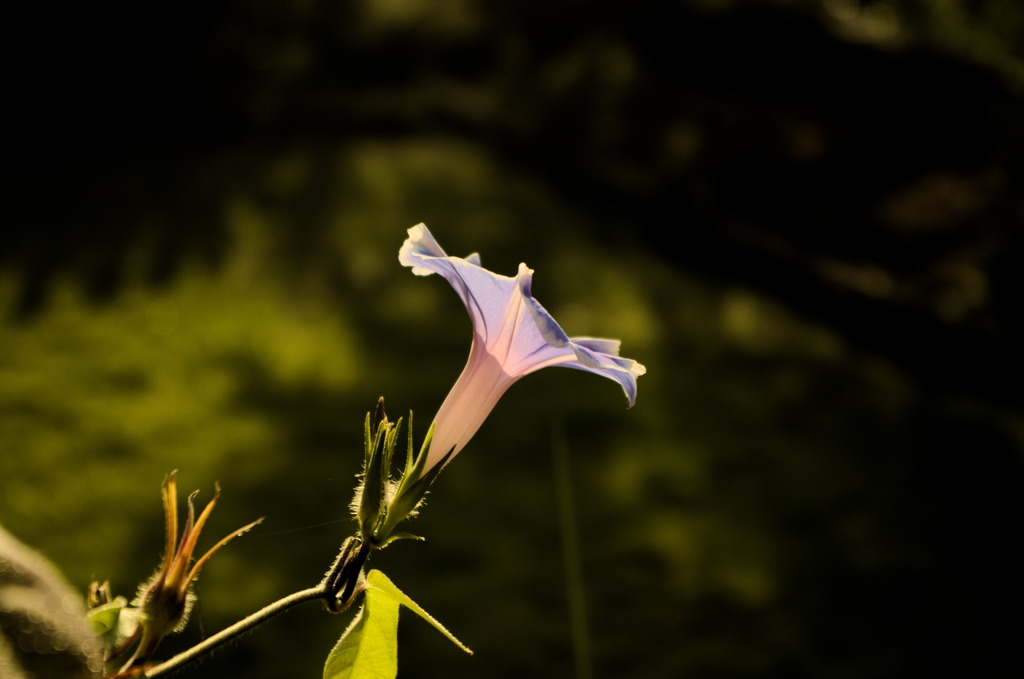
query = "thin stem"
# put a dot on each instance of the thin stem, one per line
(234, 631)
(342, 578)
(575, 588)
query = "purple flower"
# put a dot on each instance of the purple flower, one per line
(513, 335)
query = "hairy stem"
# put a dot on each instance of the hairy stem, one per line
(336, 590)
(234, 631)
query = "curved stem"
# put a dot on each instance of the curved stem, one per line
(342, 579)
(236, 630)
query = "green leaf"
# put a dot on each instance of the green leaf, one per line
(115, 621)
(104, 618)
(369, 647)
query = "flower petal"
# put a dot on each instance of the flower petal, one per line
(596, 355)
(622, 370)
(484, 293)
(513, 335)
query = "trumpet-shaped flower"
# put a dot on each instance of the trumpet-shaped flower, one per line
(513, 336)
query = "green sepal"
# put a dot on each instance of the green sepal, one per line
(104, 618)
(380, 502)
(380, 437)
(399, 536)
(368, 649)
(116, 621)
(409, 461)
(414, 465)
(413, 487)
(371, 491)
(388, 452)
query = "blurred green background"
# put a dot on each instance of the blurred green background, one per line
(802, 216)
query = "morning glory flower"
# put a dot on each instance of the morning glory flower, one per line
(513, 336)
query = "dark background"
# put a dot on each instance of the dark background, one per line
(804, 217)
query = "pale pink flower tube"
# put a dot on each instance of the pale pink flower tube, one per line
(513, 335)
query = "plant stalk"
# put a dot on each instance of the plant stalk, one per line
(337, 590)
(234, 631)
